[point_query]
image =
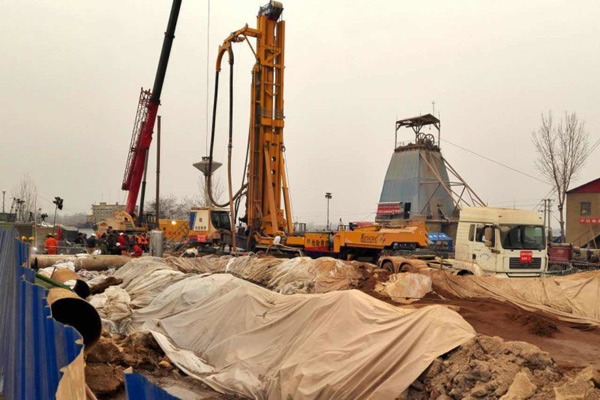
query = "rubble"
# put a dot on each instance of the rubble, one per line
(585, 386)
(490, 368)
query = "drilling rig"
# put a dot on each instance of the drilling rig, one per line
(264, 182)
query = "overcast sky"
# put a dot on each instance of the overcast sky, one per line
(71, 71)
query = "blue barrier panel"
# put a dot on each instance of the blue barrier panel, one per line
(33, 346)
(140, 388)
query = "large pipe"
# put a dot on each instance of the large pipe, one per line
(64, 275)
(91, 263)
(70, 309)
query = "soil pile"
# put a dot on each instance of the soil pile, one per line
(490, 368)
(113, 354)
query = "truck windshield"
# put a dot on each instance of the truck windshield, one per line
(527, 237)
(220, 220)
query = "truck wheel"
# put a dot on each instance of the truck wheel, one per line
(388, 265)
(405, 268)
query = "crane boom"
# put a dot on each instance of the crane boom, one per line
(146, 117)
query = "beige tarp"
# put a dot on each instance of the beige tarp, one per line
(572, 298)
(242, 339)
(144, 278)
(295, 275)
(403, 286)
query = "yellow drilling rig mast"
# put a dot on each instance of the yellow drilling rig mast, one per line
(267, 183)
(266, 188)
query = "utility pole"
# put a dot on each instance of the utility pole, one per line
(328, 197)
(158, 170)
(3, 199)
(549, 220)
(545, 212)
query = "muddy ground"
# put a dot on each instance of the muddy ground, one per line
(570, 347)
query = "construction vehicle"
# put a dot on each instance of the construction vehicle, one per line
(207, 225)
(141, 138)
(121, 221)
(498, 241)
(265, 223)
(145, 119)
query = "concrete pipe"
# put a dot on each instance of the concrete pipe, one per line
(90, 263)
(70, 309)
(63, 275)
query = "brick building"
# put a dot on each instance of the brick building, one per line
(583, 214)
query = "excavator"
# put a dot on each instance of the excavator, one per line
(266, 224)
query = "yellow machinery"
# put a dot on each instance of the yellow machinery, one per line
(121, 221)
(206, 225)
(174, 230)
(267, 188)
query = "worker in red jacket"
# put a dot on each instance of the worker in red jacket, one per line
(123, 241)
(137, 251)
(51, 245)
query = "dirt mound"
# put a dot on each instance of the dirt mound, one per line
(490, 368)
(535, 324)
(106, 283)
(106, 361)
(371, 276)
(104, 379)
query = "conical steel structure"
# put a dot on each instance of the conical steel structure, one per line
(420, 184)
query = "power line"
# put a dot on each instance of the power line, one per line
(499, 163)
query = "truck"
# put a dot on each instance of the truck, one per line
(207, 225)
(492, 241)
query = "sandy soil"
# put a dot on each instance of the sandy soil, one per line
(569, 347)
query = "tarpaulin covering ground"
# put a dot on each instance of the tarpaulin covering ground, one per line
(571, 298)
(294, 275)
(242, 339)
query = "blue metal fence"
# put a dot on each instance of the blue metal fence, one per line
(140, 388)
(33, 346)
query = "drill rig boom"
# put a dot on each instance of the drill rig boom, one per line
(267, 184)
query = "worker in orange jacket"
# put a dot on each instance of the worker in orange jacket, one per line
(51, 245)
(143, 242)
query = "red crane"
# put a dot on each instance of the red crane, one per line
(144, 121)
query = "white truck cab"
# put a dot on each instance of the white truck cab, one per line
(501, 242)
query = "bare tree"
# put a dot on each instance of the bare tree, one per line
(168, 206)
(562, 150)
(173, 208)
(26, 192)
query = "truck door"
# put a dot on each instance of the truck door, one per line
(483, 255)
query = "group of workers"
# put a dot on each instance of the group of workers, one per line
(111, 242)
